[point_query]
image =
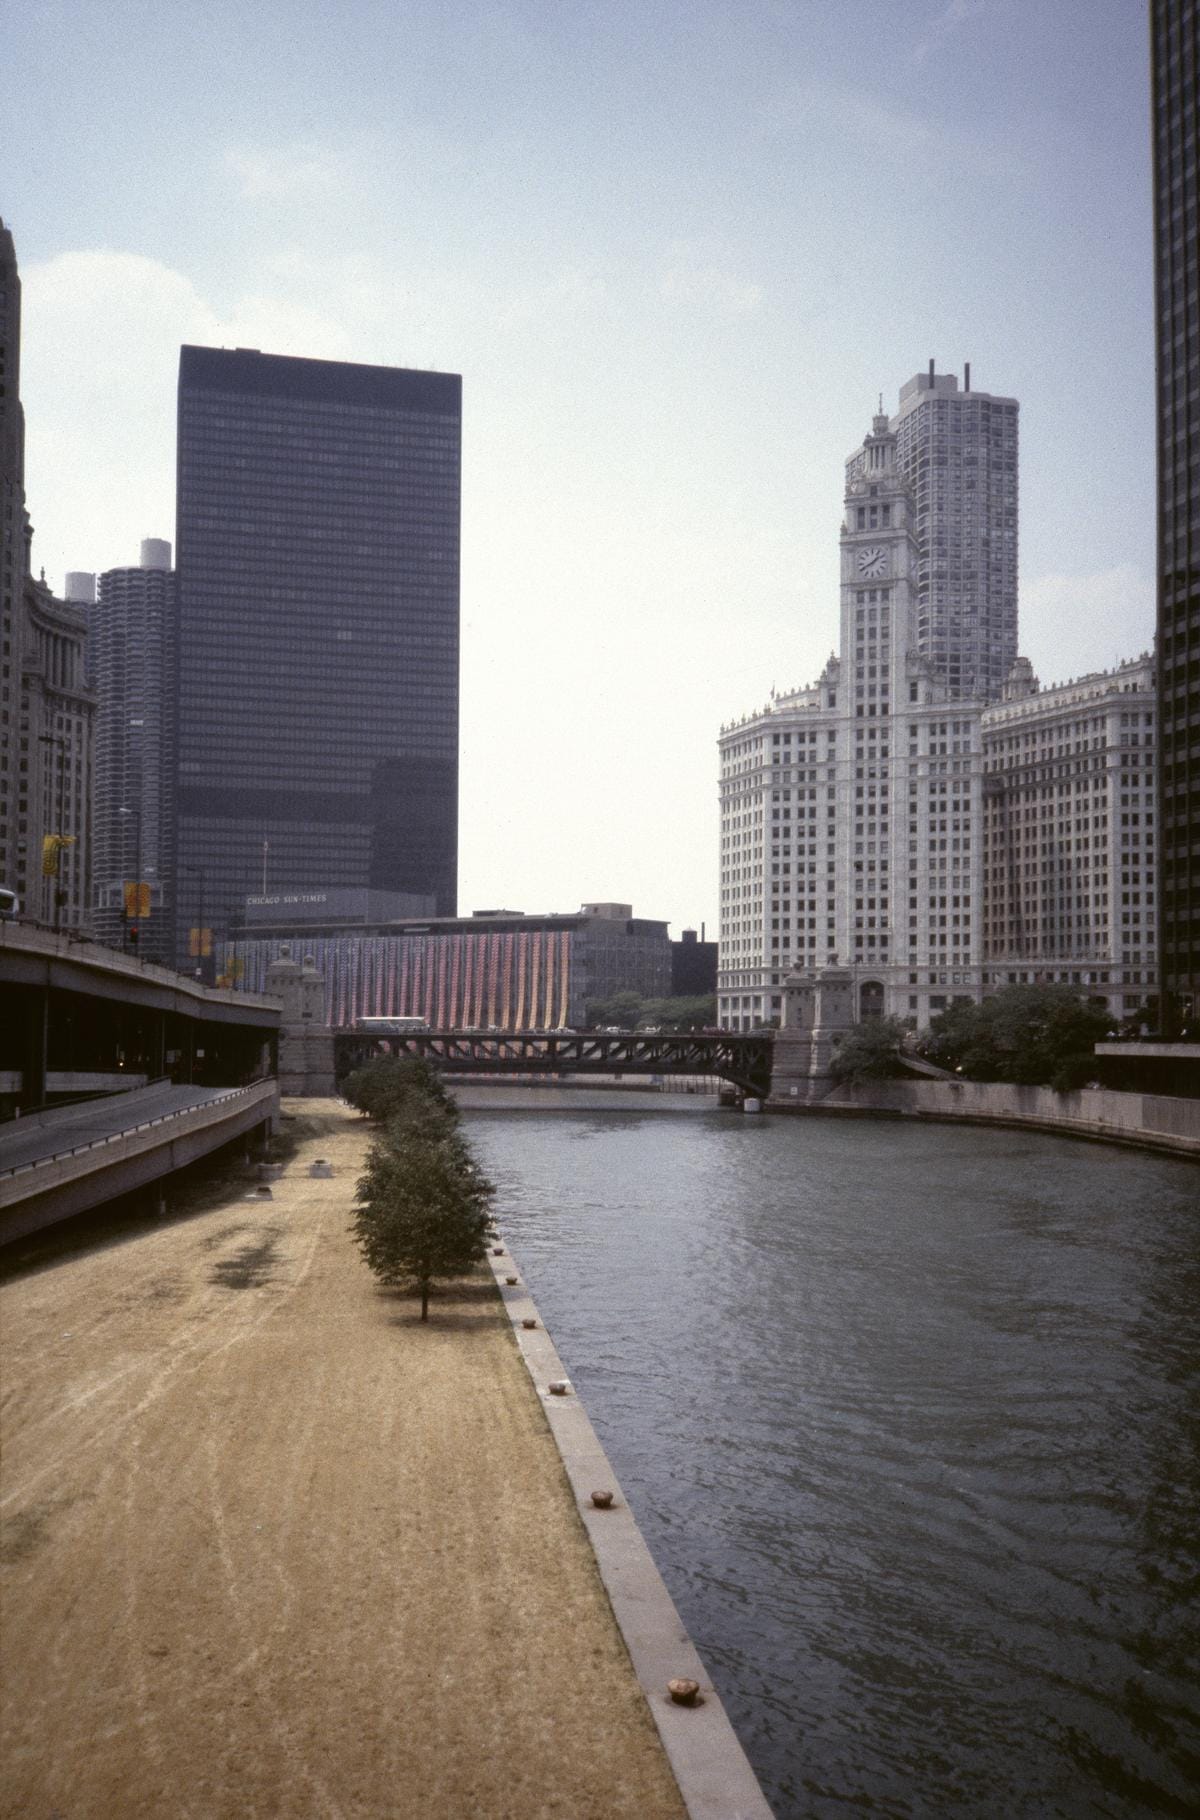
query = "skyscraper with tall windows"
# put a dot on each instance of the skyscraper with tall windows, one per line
(129, 655)
(1175, 66)
(957, 450)
(46, 706)
(852, 808)
(928, 844)
(316, 633)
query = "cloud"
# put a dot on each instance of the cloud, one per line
(573, 291)
(848, 113)
(952, 17)
(1074, 624)
(698, 272)
(101, 332)
(275, 173)
(847, 120)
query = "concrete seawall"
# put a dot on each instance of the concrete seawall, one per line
(1149, 1121)
(712, 1770)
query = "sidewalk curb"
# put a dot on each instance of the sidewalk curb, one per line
(709, 1764)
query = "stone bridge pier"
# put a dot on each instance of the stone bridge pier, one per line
(818, 1008)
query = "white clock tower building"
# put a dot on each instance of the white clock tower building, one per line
(916, 844)
(852, 809)
(910, 777)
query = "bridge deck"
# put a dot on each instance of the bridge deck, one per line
(745, 1061)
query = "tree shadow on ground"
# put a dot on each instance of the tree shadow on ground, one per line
(252, 1265)
(216, 1180)
(456, 1307)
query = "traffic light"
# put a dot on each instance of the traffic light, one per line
(133, 932)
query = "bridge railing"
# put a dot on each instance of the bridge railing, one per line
(743, 1060)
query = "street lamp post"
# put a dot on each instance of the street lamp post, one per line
(201, 971)
(56, 739)
(137, 888)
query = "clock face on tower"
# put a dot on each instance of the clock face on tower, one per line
(872, 562)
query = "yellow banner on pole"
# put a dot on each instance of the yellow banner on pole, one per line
(52, 846)
(137, 899)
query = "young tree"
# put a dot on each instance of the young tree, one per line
(383, 1087)
(423, 1209)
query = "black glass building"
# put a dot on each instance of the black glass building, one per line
(1174, 29)
(316, 715)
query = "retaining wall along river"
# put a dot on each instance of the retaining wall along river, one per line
(1153, 1120)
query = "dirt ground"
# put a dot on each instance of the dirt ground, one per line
(272, 1548)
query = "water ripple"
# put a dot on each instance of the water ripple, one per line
(909, 1419)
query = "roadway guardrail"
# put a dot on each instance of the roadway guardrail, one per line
(116, 1137)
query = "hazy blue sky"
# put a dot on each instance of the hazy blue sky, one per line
(676, 251)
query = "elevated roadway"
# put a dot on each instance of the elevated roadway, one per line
(71, 1009)
(69, 1158)
(77, 1018)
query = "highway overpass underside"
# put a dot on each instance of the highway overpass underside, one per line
(58, 1044)
(77, 1018)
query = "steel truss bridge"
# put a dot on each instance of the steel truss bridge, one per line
(743, 1061)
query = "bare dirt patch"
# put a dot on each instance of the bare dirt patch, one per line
(278, 1550)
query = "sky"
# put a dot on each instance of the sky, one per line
(677, 249)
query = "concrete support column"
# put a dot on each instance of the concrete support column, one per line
(37, 1036)
(156, 1058)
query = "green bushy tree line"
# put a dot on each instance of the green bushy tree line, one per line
(869, 1052)
(392, 1087)
(629, 1011)
(1034, 1036)
(424, 1208)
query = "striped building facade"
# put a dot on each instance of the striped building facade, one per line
(484, 973)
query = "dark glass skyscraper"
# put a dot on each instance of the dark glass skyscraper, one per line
(1174, 30)
(317, 557)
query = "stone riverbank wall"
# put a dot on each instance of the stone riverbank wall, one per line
(1152, 1121)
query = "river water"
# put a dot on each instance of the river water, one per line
(908, 1416)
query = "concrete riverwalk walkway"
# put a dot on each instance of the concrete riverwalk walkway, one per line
(272, 1548)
